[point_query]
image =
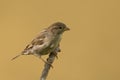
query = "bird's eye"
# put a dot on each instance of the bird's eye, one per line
(60, 27)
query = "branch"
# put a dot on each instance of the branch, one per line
(47, 66)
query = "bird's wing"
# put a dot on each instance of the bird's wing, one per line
(37, 43)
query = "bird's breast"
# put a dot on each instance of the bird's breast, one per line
(55, 42)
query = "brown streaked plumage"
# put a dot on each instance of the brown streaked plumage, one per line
(46, 42)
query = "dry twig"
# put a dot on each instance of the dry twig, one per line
(47, 66)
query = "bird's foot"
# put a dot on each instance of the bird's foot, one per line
(46, 62)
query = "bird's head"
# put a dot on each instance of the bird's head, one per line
(58, 28)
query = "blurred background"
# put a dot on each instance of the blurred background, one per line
(90, 50)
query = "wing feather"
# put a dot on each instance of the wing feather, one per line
(38, 42)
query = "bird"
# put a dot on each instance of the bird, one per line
(46, 42)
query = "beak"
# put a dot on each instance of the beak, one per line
(67, 29)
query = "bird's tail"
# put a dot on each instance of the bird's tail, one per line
(15, 57)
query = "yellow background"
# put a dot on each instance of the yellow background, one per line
(90, 50)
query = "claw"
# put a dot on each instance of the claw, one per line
(49, 64)
(56, 56)
(46, 62)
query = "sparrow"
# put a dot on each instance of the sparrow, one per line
(46, 42)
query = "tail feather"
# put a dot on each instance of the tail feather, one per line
(15, 57)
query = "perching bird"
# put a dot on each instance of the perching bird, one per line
(46, 42)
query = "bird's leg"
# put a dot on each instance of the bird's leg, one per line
(56, 51)
(56, 55)
(45, 61)
(39, 56)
